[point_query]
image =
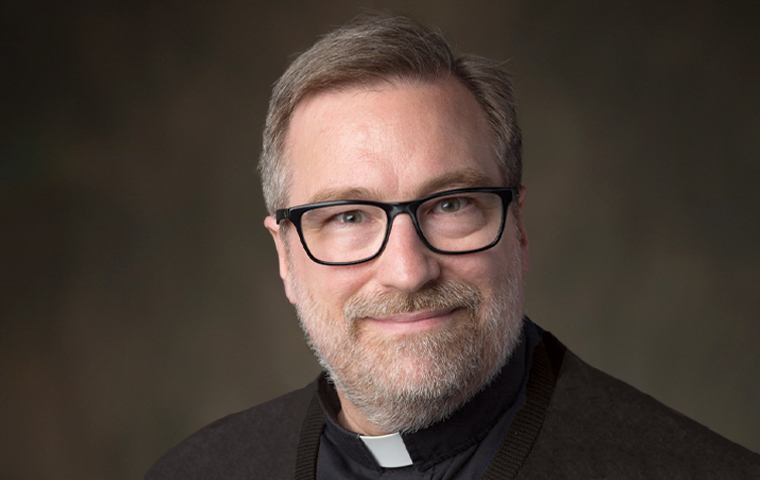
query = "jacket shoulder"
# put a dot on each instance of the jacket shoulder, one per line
(260, 442)
(600, 427)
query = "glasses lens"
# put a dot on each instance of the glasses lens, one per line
(461, 222)
(344, 233)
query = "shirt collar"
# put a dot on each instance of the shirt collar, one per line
(466, 427)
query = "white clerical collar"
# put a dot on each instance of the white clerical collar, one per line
(389, 450)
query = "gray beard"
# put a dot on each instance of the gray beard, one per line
(407, 383)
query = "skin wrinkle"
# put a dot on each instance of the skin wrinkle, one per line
(402, 379)
(447, 367)
(369, 55)
(463, 178)
(361, 149)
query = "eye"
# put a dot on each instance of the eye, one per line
(451, 204)
(351, 217)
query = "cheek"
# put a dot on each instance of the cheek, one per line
(481, 268)
(332, 286)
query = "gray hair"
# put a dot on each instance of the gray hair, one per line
(374, 49)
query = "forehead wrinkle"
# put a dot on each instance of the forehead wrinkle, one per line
(464, 178)
(379, 140)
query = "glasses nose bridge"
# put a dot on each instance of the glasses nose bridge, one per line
(395, 209)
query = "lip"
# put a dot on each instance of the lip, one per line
(412, 321)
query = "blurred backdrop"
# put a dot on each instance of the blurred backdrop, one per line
(140, 296)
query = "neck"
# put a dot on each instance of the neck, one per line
(352, 419)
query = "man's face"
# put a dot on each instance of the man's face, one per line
(410, 325)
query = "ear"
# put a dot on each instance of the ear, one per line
(522, 233)
(271, 224)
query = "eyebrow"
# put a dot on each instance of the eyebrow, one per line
(463, 178)
(353, 193)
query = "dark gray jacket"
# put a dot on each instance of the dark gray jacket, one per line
(594, 427)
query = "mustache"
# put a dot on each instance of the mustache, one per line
(439, 296)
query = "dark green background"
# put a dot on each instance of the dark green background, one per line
(140, 296)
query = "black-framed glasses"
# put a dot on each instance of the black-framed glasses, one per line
(455, 222)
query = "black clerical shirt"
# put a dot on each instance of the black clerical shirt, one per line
(459, 447)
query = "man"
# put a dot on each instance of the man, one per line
(392, 175)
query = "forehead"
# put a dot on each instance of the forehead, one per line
(390, 142)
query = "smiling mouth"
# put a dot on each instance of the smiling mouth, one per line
(413, 321)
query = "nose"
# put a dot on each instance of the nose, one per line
(406, 264)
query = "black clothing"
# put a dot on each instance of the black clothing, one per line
(458, 448)
(594, 427)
